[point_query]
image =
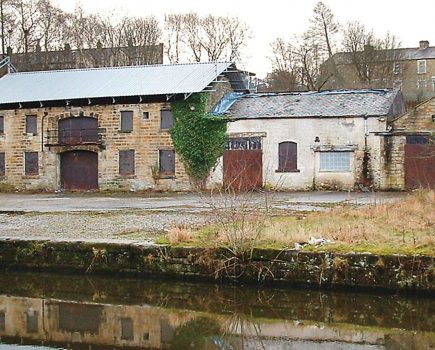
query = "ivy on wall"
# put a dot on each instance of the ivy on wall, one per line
(199, 138)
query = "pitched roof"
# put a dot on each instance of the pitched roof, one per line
(338, 103)
(109, 82)
(400, 54)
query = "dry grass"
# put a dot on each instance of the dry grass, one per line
(405, 226)
(179, 234)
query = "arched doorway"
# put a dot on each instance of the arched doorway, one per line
(79, 170)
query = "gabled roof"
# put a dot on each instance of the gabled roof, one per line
(109, 82)
(338, 103)
(401, 54)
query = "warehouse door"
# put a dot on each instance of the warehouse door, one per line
(79, 170)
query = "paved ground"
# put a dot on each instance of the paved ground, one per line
(88, 216)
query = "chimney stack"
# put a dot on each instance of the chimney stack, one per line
(424, 44)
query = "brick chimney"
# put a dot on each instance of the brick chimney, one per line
(423, 44)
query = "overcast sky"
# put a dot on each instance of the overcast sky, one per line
(411, 21)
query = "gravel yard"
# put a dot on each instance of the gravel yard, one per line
(92, 225)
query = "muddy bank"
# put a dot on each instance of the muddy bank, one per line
(270, 266)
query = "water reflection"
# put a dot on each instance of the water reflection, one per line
(93, 313)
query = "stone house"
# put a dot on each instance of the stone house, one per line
(84, 58)
(313, 140)
(106, 128)
(409, 148)
(410, 69)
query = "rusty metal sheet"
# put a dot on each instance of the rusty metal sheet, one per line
(419, 166)
(243, 169)
(79, 170)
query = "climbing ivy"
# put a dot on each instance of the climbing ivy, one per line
(199, 138)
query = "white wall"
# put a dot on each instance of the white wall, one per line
(303, 131)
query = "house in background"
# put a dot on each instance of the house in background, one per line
(410, 69)
(313, 140)
(106, 128)
(84, 58)
(409, 148)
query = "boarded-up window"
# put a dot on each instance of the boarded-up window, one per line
(166, 119)
(2, 124)
(2, 321)
(31, 125)
(2, 164)
(31, 163)
(287, 157)
(126, 121)
(32, 321)
(126, 162)
(127, 330)
(80, 318)
(167, 162)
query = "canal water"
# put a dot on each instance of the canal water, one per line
(46, 311)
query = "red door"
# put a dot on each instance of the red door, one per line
(79, 170)
(419, 165)
(243, 169)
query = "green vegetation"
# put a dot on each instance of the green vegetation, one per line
(198, 137)
(405, 227)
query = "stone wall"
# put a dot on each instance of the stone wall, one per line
(146, 139)
(280, 267)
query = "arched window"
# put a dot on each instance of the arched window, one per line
(287, 156)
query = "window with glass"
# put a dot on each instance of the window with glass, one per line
(335, 161)
(421, 67)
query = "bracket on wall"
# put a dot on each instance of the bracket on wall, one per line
(186, 96)
(168, 97)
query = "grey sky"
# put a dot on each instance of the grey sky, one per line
(411, 21)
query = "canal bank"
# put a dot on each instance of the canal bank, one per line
(265, 266)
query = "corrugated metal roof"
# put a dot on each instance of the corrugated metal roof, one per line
(109, 82)
(338, 103)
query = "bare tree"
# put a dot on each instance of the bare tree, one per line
(371, 57)
(173, 34)
(322, 35)
(28, 17)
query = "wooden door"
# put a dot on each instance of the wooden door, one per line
(79, 170)
(243, 169)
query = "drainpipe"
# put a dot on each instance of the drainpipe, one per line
(42, 131)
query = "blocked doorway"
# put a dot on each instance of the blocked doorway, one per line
(79, 170)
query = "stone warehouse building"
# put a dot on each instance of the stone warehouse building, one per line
(410, 69)
(313, 140)
(106, 128)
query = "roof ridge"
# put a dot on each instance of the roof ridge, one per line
(120, 67)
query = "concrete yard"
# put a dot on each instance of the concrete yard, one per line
(97, 216)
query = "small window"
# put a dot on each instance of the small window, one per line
(127, 330)
(422, 84)
(32, 321)
(396, 68)
(2, 164)
(166, 119)
(31, 124)
(126, 162)
(31, 163)
(335, 161)
(145, 115)
(287, 157)
(167, 162)
(2, 124)
(126, 121)
(421, 67)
